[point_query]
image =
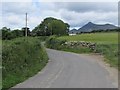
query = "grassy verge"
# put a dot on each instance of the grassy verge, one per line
(76, 50)
(110, 52)
(0, 64)
(21, 59)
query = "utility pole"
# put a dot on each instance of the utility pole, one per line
(26, 26)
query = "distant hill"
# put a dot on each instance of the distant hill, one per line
(73, 31)
(91, 26)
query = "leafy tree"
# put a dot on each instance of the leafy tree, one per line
(8, 34)
(51, 26)
(17, 33)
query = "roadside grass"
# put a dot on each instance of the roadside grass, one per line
(0, 64)
(110, 52)
(77, 49)
(106, 45)
(21, 59)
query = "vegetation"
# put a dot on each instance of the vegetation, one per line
(54, 43)
(0, 64)
(100, 31)
(51, 26)
(106, 44)
(99, 38)
(110, 52)
(8, 34)
(21, 58)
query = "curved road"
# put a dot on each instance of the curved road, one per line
(70, 70)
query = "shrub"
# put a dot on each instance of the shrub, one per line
(22, 58)
(54, 43)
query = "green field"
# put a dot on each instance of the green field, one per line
(100, 38)
(106, 44)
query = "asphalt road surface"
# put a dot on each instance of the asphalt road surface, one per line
(70, 70)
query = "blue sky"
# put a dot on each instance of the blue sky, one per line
(74, 13)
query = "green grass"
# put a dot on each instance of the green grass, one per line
(110, 52)
(107, 45)
(54, 43)
(0, 64)
(99, 38)
(76, 49)
(21, 59)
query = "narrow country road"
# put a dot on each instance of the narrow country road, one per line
(70, 70)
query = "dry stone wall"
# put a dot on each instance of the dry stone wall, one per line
(90, 45)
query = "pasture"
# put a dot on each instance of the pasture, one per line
(100, 38)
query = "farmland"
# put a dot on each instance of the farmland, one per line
(100, 38)
(106, 45)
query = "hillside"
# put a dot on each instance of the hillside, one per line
(73, 31)
(91, 27)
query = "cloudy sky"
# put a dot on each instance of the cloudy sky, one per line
(74, 13)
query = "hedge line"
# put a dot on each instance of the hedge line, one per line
(21, 58)
(54, 43)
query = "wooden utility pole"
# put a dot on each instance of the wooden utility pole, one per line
(26, 26)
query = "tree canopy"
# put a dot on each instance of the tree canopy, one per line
(51, 26)
(8, 34)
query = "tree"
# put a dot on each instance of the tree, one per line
(17, 33)
(8, 34)
(51, 26)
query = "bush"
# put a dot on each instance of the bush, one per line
(22, 58)
(42, 38)
(54, 43)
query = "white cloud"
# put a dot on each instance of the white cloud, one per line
(13, 21)
(87, 6)
(18, 7)
(78, 0)
(76, 15)
(33, 21)
(77, 19)
(16, 0)
(13, 13)
(61, 0)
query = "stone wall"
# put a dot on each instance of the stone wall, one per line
(90, 45)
